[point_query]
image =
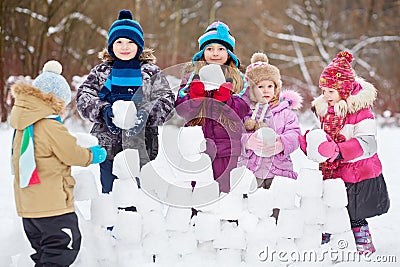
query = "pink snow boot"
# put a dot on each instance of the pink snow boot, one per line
(363, 240)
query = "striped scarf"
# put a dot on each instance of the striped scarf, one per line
(124, 82)
(332, 124)
(28, 173)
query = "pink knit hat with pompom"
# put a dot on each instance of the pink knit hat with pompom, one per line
(339, 75)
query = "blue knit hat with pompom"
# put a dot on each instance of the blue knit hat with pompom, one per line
(217, 33)
(126, 27)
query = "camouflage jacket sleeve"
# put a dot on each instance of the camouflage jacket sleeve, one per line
(158, 98)
(88, 102)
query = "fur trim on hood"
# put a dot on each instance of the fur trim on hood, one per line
(147, 56)
(358, 100)
(22, 89)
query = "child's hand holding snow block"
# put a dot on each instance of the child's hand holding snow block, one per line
(334, 194)
(124, 114)
(309, 183)
(314, 138)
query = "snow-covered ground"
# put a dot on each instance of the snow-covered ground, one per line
(15, 249)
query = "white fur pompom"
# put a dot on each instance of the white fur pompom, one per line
(53, 66)
(258, 56)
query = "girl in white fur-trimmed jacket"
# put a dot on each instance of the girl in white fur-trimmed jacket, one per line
(349, 150)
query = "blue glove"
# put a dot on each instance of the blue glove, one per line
(108, 115)
(99, 154)
(139, 125)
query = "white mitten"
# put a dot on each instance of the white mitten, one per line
(124, 114)
(212, 76)
(314, 138)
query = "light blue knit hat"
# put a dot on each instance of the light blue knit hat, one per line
(217, 33)
(50, 81)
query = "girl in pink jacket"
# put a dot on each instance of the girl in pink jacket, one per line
(350, 150)
(272, 127)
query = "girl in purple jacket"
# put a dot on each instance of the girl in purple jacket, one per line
(272, 126)
(220, 111)
(350, 149)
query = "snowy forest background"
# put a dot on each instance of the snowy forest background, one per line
(299, 36)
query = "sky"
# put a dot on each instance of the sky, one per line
(101, 249)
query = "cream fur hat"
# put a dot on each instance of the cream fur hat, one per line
(260, 70)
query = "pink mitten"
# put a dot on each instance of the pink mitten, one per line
(303, 142)
(329, 149)
(254, 143)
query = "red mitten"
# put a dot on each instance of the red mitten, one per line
(329, 149)
(196, 89)
(224, 92)
(303, 142)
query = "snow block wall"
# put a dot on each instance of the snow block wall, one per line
(172, 224)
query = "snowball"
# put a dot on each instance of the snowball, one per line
(124, 114)
(309, 183)
(335, 194)
(314, 138)
(266, 134)
(212, 76)
(126, 164)
(85, 139)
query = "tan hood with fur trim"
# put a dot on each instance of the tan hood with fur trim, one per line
(363, 99)
(31, 105)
